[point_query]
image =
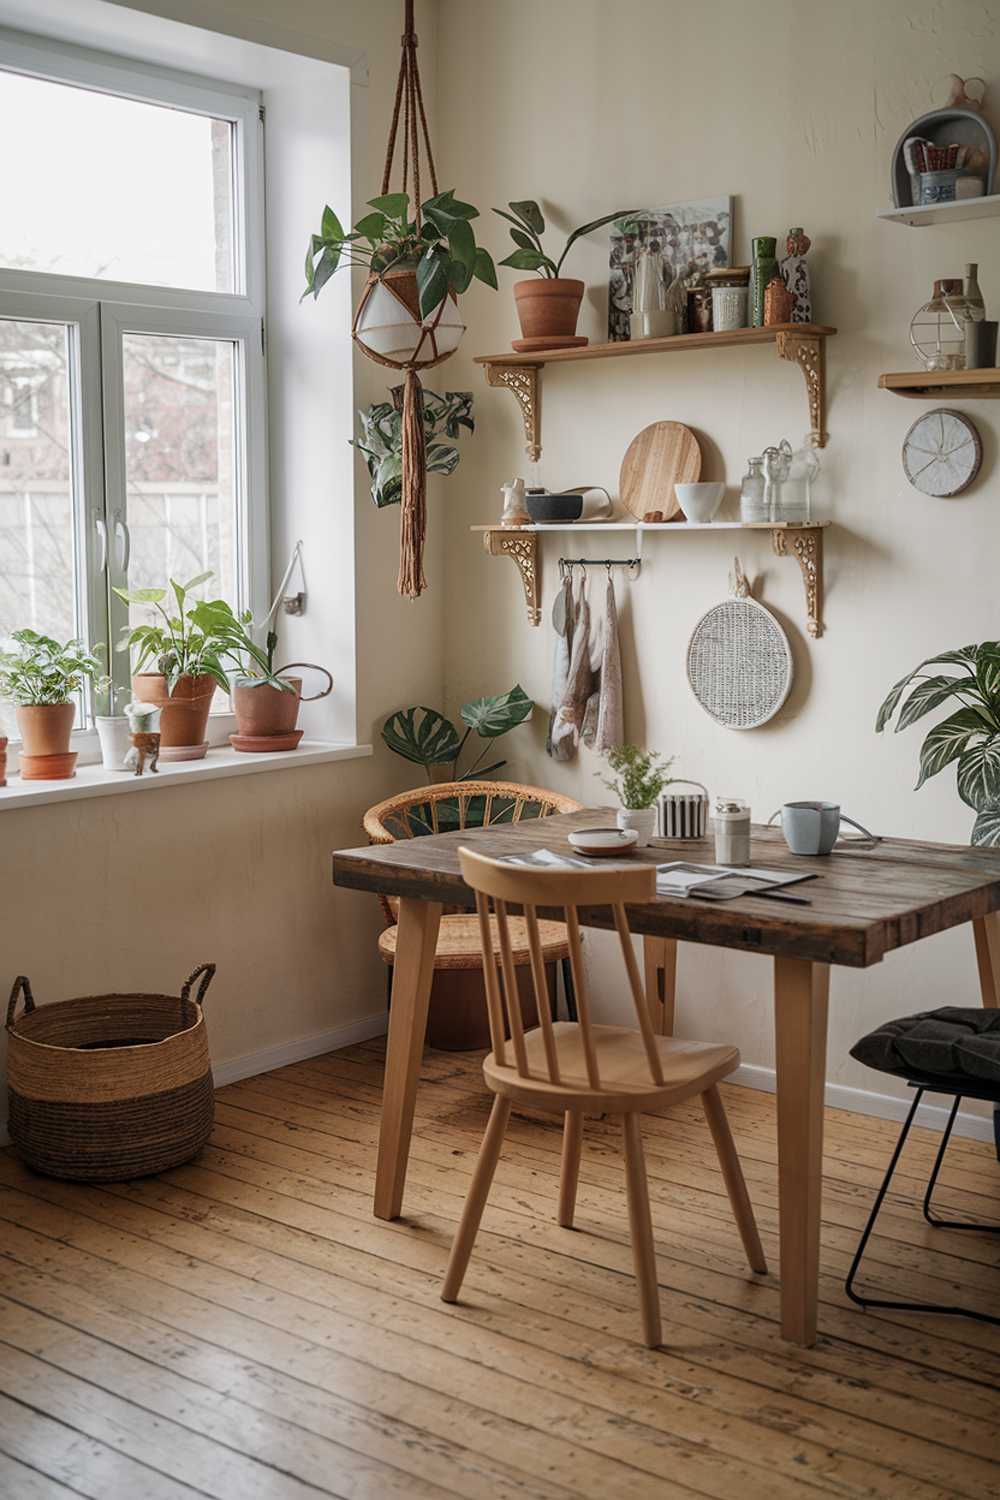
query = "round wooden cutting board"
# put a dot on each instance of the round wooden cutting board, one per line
(660, 456)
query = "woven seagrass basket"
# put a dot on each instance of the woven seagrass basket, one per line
(108, 1087)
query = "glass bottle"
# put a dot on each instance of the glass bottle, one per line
(975, 307)
(795, 503)
(752, 507)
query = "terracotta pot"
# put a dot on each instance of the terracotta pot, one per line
(184, 712)
(548, 308)
(263, 710)
(61, 767)
(45, 727)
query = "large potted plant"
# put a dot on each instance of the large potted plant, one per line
(969, 736)
(42, 678)
(549, 307)
(425, 737)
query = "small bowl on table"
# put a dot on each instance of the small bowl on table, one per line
(603, 843)
(699, 502)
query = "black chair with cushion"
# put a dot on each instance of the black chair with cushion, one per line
(953, 1051)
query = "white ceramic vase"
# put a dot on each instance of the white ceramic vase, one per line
(116, 741)
(642, 819)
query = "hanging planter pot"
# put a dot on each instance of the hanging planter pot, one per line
(389, 328)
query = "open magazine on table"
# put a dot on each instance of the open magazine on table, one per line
(678, 877)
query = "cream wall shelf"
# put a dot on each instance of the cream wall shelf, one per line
(801, 540)
(958, 212)
(925, 385)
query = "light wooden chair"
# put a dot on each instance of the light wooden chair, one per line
(579, 1068)
(457, 805)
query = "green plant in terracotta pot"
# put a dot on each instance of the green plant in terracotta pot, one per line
(549, 307)
(41, 677)
(266, 698)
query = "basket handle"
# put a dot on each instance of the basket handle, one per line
(207, 972)
(21, 987)
(683, 781)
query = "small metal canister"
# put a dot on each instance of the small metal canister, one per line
(732, 832)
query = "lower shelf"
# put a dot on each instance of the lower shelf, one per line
(803, 541)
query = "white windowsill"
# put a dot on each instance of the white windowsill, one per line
(95, 781)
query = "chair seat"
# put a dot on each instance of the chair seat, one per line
(626, 1086)
(458, 945)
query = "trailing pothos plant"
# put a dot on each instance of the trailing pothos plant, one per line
(381, 440)
(426, 737)
(527, 227)
(442, 248)
(204, 638)
(970, 735)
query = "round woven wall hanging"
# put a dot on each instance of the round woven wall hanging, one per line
(739, 662)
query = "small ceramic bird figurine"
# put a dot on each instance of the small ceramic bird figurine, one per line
(959, 96)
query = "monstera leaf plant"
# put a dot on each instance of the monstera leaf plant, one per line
(426, 737)
(381, 440)
(970, 735)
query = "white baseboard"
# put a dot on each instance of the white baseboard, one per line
(868, 1102)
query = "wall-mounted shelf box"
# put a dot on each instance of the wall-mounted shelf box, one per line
(957, 212)
(801, 540)
(930, 384)
(802, 343)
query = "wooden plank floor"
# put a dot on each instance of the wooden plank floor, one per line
(244, 1328)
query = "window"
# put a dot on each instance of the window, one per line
(132, 406)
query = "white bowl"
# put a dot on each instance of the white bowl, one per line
(699, 502)
(601, 843)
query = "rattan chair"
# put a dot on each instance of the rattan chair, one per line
(577, 1069)
(457, 805)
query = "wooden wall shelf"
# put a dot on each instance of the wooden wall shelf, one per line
(917, 217)
(803, 541)
(927, 384)
(802, 343)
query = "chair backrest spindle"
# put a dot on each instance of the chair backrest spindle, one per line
(541, 993)
(638, 992)
(511, 990)
(491, 980)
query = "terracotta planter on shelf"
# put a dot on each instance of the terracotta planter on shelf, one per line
(183, 713)
(45, 731)
(266, 716)
(548, 308)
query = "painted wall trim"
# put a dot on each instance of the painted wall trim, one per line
(868, 1102)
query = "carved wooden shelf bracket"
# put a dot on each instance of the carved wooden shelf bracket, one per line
(524, 383)
(809, 353)
(806, 546)
(522, 549)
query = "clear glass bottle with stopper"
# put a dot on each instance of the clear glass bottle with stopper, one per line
(752, 506)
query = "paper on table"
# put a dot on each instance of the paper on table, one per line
(679, 878)
(548, 859)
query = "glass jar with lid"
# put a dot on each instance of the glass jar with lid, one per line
(753, 509)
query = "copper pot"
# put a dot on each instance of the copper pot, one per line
(262, 709)
(45, 727)
(548, 307)
(184, 712)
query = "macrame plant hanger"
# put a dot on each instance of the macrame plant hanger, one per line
(401, 284)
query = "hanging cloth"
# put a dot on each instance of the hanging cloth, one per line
(563, 615)
(610, 727)
(579, 680)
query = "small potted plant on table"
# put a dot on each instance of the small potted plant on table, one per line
(549, 307)
(639, 778)
(42, 678)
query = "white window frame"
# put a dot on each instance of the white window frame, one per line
(99, 312)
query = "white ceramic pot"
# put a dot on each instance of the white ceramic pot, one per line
(116, 741)
(642, 819)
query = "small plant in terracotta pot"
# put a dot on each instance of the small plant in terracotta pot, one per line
(549, 307)
(42, 678)
(191, 653)
(266, 702)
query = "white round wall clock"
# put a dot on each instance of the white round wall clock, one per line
(942, 453)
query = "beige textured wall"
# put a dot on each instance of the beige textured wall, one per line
(794, 109)
(113, 893)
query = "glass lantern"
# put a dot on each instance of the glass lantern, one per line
(937, 330)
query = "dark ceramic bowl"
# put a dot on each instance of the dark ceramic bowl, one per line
(548, 509)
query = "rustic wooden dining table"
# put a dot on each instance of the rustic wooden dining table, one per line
(864, 904)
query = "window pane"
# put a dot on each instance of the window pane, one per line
(115, 188)
(38, 540)
(181, 464)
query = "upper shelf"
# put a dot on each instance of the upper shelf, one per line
(957, 383)
(803, 343)
(945, 213)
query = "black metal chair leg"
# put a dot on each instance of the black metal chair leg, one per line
(923, 1307)
(568, 990)
(931, 1218)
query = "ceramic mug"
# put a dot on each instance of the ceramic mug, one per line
(812, 827)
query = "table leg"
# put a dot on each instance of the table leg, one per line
(660, 957)
(801, 990)
(986, 931)
(413, 971)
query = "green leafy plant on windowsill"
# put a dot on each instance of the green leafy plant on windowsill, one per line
(527, 227)
(970, 736)
(205, 638)
(442, 249)
(639, 775)
(42, 671)
(381, 440)
(425, 737)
